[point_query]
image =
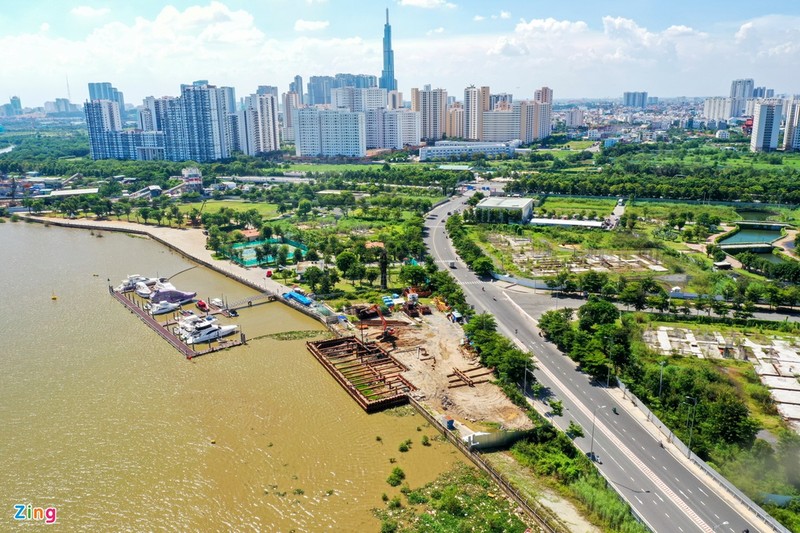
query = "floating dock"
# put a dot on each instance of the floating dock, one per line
(187, 350)
(365, 370)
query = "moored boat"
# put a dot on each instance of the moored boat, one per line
(212, 333)
(143, 290)
(162, 307)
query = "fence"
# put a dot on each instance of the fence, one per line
(547, 523)
(738, 495)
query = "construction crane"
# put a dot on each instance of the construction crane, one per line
(387, 332)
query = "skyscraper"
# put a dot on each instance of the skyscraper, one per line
(432, 105)
(741, 90)
(257, 124)
(387, 75)
(634, 99)
(104, 91)
(476, 101)
(791, 134)
(296, 87)
(766, 125)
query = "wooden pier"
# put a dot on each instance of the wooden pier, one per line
(365, 370)
(163, 330)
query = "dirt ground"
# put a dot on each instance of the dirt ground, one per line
(441, 339)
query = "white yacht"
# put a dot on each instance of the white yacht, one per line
(143, 290)
(193, 325)
(211, 333)
(162, 307)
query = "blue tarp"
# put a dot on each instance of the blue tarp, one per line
(291, 295)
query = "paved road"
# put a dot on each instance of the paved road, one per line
(656, 481)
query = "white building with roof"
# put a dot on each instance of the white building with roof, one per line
(523, 206)
(449, 149)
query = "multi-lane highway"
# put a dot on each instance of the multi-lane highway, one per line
(657, 482)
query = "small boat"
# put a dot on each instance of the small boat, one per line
(143, 290)
(212, 333)
(203, 306)
(162, 307)
(217, 302)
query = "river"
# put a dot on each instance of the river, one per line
(104, 420)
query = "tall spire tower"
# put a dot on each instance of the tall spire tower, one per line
(387, 76)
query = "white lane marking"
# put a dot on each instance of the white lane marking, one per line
(646, 471)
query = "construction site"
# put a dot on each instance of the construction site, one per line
(418, 351)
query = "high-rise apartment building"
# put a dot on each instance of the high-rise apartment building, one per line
(476, 101)
(543, 95)
(104, 91)
(432, 106)
(394, 100)
(388, 80)
(574, 117)
(455, 121)
(718, 108)
(291, 102)
(791, 133)
(741, 90)
(16, 105)
(763, 92)
(205, 111)
(268, 89)
(364, 101)
(195, 126)
(296, 87)
(329, 133)
(496, 99)
(766, 125)
(257, 125)
(637, 100)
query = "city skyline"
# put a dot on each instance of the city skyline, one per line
(580, 50)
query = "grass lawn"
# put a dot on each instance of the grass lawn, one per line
(661, 210)
(264, 209)
(567, 202)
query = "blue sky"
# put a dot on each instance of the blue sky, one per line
(579, 48)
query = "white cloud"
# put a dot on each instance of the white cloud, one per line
(225, 46)
(435, 31)
(44, 27)
(316, 1)
(505, 15)
(89, 12)
(478, 18)
(427, 4)
(310, 25)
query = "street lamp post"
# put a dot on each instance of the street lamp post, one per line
(691, 427)
(661, 379)
(591, 446)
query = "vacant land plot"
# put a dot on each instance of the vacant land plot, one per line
(264, 209)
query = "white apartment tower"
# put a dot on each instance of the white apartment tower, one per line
(432, 107)
(718, 108)
(741, 90)
(291, 101)
(766, 125)
(329, 133)
(257, 125)
(791, 132)
(367, 101)
(476, 101)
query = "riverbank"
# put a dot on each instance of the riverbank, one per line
(484, 403)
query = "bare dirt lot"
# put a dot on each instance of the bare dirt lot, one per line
(441, 340)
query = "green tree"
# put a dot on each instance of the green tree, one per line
(483, 266)
(345, 260)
